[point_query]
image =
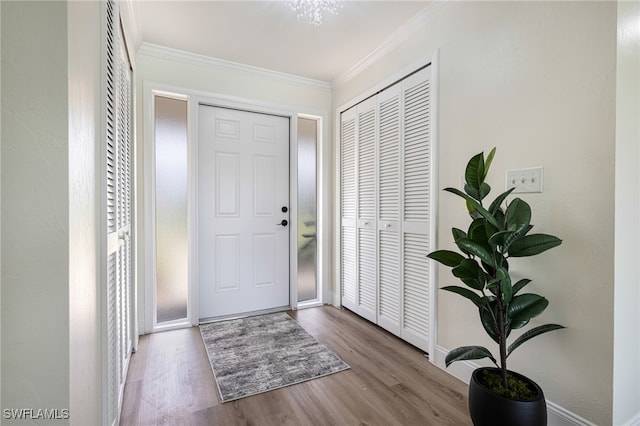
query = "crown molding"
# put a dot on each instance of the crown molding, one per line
(433, 9)
(162, 52)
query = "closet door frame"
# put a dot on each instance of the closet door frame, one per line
(430, 60)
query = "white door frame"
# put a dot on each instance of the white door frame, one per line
(194, 99)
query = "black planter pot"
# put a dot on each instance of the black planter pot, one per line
(488, 409)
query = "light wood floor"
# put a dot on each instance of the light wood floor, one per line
(390, 383)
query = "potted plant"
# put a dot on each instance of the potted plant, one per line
(495, 236)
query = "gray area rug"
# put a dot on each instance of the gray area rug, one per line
(258, 354)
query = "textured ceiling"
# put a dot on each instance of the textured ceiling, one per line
(267, 34)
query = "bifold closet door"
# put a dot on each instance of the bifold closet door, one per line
(118, 215)
(389, 211)
(366, 135)
(416, 207)
(386, 169)
(348, 264)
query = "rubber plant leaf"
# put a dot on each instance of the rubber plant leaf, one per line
(473, 192)
(505, 284)
(498, 239)
(520, 285)
(464, 292)
(488, 161)
(476, 249)
(458, 233)
(530, 334)
(470, 273)
(526, 306)
(485, 189)
(515, 236)
(476, 205)
(488, 322)
(474, 173)
(495, 205)
(518, 215)
(468, 353)
(530, 245)
(446, 257)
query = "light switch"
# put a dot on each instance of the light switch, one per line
(525, 180)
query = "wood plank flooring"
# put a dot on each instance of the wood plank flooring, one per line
(390, 383)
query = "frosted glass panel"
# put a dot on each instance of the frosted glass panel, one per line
(171, 208)
(307, 192)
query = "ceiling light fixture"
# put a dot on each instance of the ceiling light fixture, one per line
(314, 10)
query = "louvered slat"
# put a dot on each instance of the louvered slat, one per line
(389, 276)
(349, 263)
(112, 333)
(417, 122)
(416, 283)
(389, 163)
(367, 269)
(113, 368)
(111, 119)
(349, 168)
(124, 206)
(367, 164)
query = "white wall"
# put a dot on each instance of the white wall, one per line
(536, 80)
(199, 74)
(85, 345)
(51, 337)
(35, 215)
(626, 367)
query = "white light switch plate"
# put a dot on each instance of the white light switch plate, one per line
(525, 180)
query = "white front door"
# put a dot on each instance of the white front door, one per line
(243, 212)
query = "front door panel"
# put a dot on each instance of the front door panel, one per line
(243, 185)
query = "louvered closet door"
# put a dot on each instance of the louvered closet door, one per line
(386, 192)
(348, 265)
(416, 206)
(366, 135)
(118, 215)
(389, 211)
(124, 178)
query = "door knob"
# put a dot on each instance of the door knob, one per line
(283, 223)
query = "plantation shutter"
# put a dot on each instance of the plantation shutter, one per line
(118, 215)
(386, 277)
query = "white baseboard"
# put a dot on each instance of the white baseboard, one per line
(335, 299)
(556, 415)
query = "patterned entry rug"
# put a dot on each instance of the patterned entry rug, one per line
(258, 354)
